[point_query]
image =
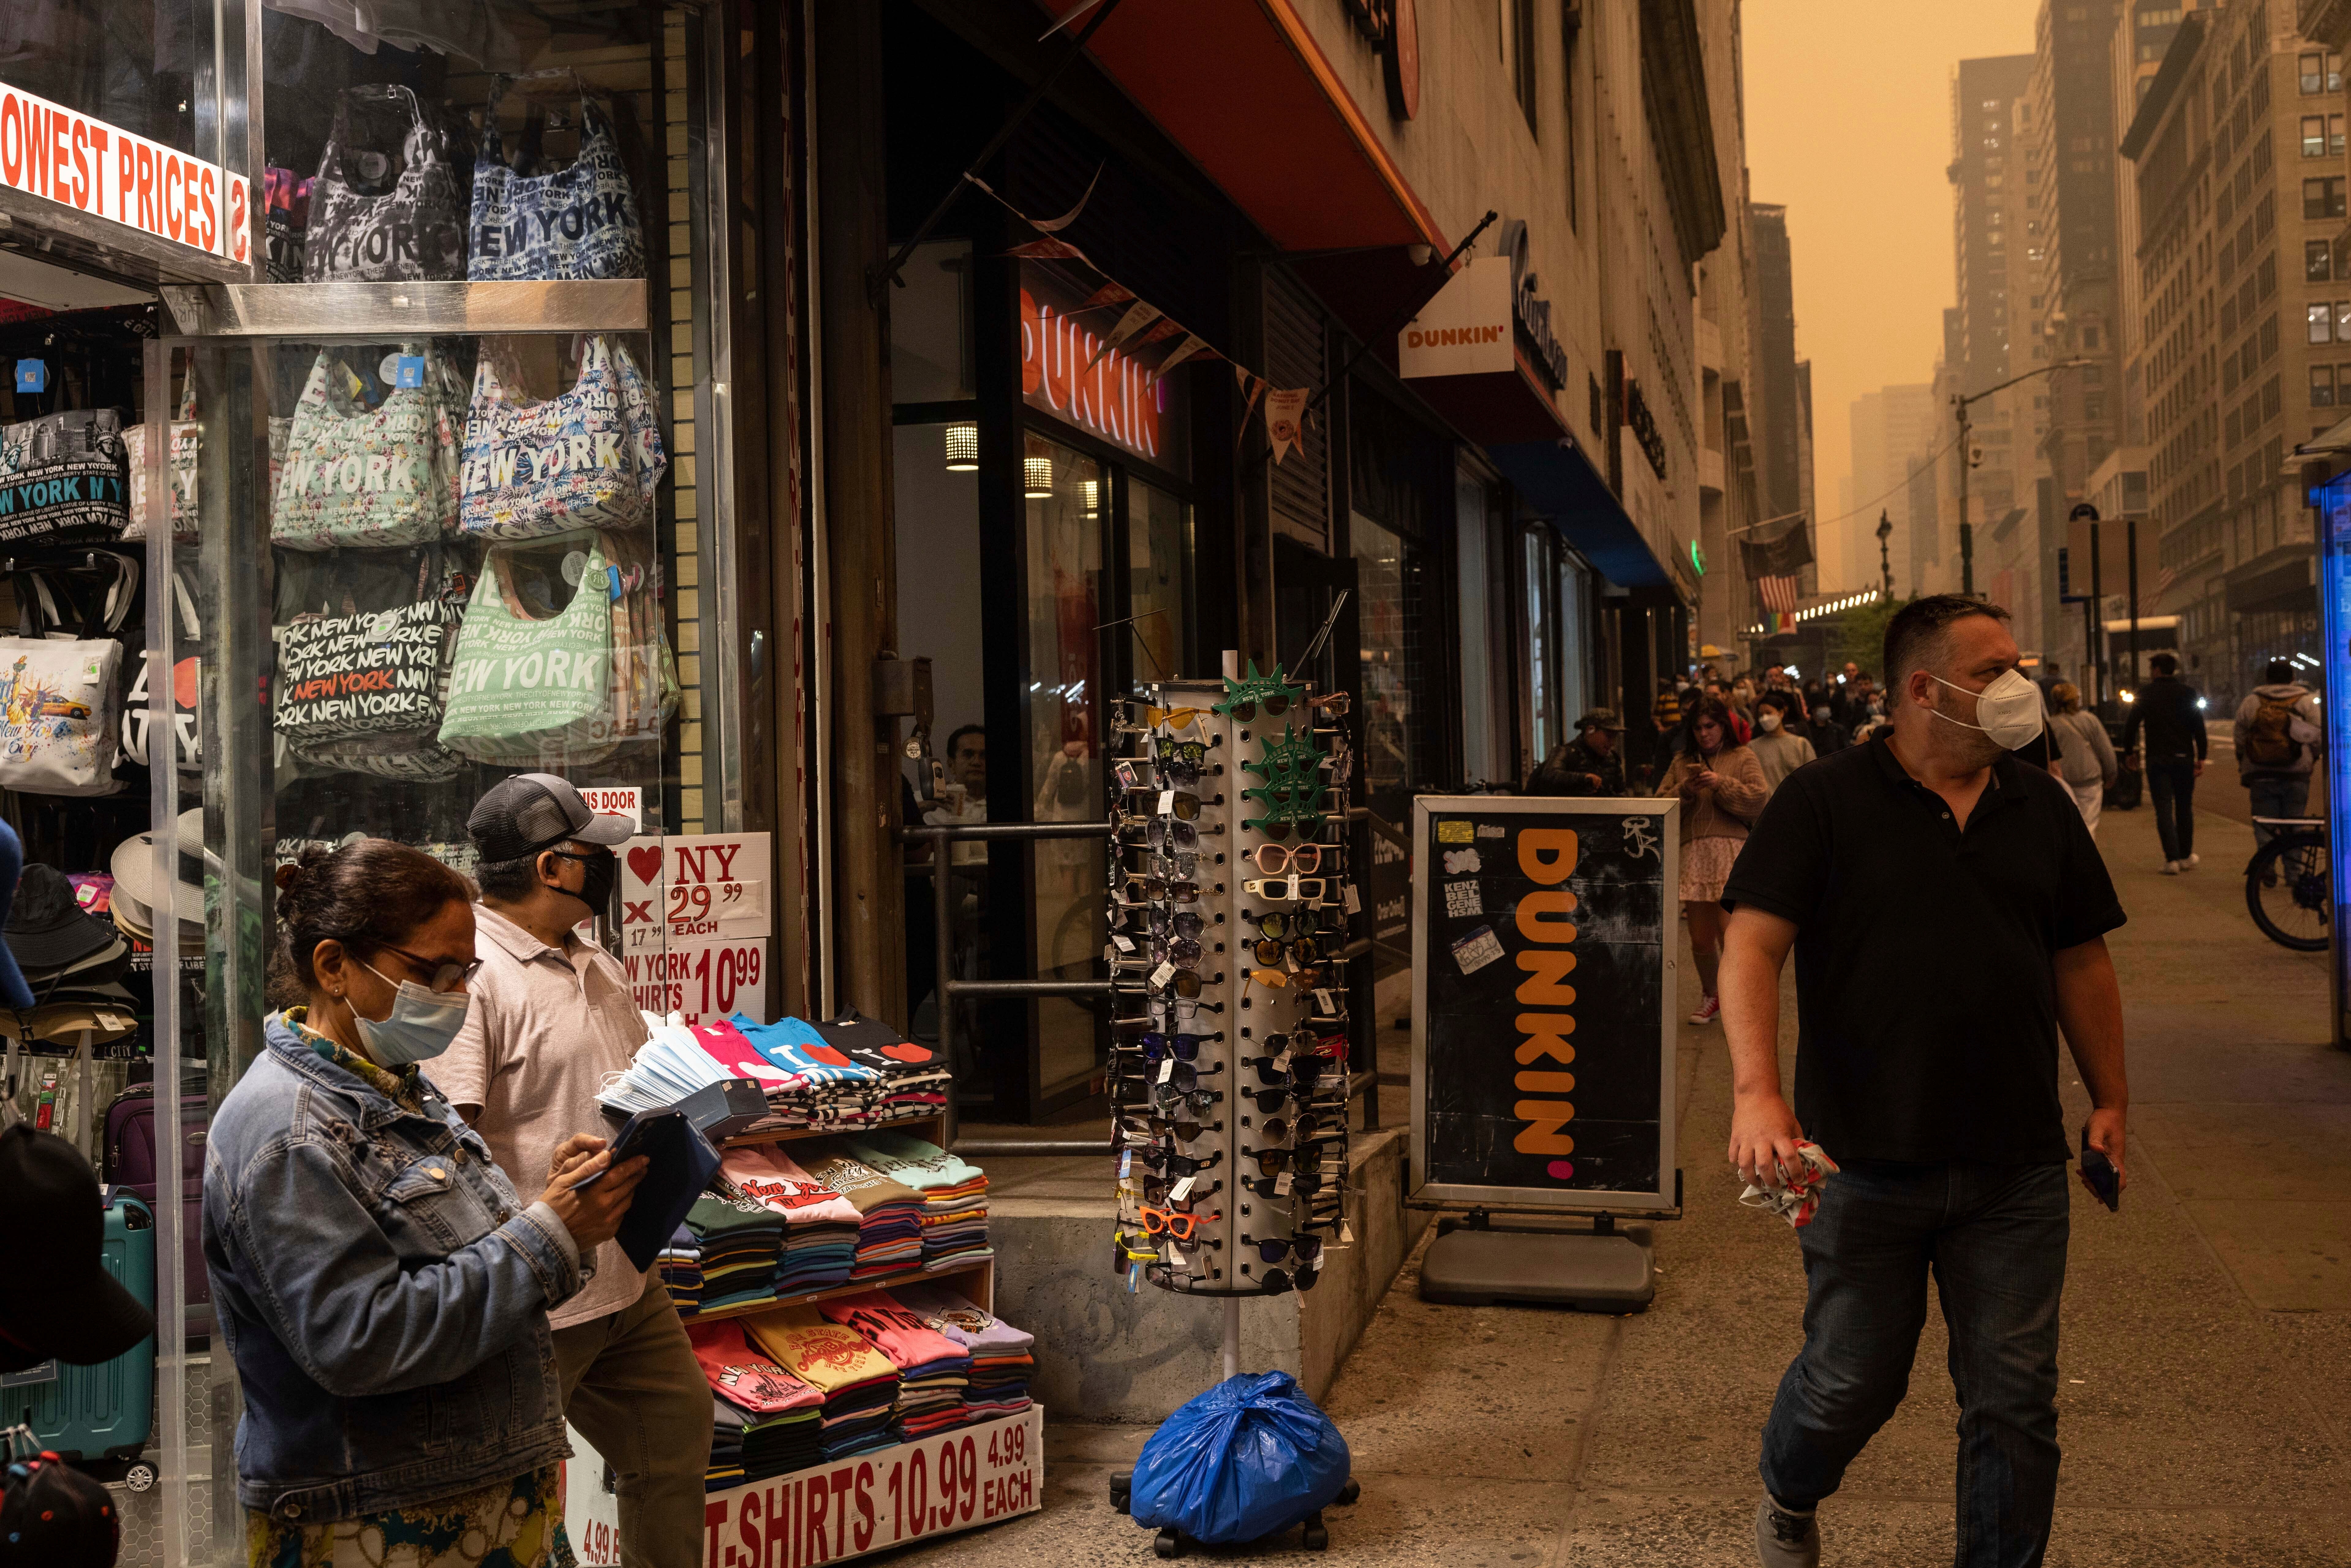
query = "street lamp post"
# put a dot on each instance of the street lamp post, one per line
(1968, 462)
(1885, 560)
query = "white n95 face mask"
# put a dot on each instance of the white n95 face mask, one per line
(2010, 709)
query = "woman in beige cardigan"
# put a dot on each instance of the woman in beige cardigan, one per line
(1722, 788)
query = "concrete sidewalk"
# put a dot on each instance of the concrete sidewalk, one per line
(2206, 1411)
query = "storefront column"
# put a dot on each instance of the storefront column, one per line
(861, 566)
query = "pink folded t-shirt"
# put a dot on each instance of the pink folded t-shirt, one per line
(771, 1177)
(894, 1330)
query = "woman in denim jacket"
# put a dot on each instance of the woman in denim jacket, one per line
(381, 1285)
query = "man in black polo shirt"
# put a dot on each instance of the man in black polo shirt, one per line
(1947, 910)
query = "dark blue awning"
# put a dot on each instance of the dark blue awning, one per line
(1559, 483)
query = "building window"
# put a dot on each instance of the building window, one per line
(2317, 260)
(2322, 198)
(2311, 73)
(2322, 386)
(2321, 323)
(2335, 134)
(2273, 398)
(1572, 24)
(2313, 136)
(1518, 54)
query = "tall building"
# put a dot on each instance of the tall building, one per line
(2070, 176)
(1779, 462)
(2237, 156)
(1992, 236)
(1892, 428)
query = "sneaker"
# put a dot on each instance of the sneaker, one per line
(1707, 1011)
(1785, 1540)
(2171, 868)
(2191, 862)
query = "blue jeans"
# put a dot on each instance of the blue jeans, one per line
(1994, 1236)
(2171, 785)
(2276, 795)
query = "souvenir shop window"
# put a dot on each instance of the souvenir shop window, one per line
(468, 581)
(136, 64)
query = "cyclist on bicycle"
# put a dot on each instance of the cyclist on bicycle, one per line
(2277, 736)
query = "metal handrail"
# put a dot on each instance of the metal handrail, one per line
(939, 835)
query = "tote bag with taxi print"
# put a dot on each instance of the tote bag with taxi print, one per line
(588, 458)
(548, 684)
(374, 478)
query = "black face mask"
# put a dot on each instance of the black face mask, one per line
(597, 873)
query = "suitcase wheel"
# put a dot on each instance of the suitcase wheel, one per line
(140, 1477)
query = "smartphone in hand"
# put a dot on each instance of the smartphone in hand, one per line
(2099, 1172)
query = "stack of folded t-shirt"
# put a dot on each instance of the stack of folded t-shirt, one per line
(933, 1370)
(680, 1263)
(778, 1418)
(1001, 1355)
(860, 1383)
(740, 1238)
(954, 1193)
(727, 1424)
(808, 1083)
(890, 1214)
(820, 1227)
(910, 1079)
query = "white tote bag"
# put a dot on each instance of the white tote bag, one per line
(58, 692)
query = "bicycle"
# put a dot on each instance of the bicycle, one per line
(2286, 884)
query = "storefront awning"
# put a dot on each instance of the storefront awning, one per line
(1262, 109)
(1557, 481)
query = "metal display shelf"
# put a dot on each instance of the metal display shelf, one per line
(371, 309)
(938, 1119)
(986, 1298)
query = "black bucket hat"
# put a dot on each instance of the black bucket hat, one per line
(48, 929)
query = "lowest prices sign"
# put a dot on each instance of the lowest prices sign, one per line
(694, 924)
(890, 1498)
(47, 150)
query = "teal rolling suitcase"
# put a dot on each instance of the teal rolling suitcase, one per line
(95, 1413)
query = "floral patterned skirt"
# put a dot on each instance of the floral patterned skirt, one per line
(1706, 866)
(515, 1523)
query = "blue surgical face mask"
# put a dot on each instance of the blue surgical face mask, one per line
(423, 1022)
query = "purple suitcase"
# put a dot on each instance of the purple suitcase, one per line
(131, 1164)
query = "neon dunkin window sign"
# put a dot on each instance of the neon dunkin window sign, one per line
(1117, 395)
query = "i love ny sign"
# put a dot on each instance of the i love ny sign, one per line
(694, 924)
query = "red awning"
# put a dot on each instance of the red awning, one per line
(1242, 85)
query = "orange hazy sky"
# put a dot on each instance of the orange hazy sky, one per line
(1848, 123)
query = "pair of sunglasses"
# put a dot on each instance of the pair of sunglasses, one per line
(1303, 924)
(1174, 1222)
(1181, 889)
(1184, 952)
(1301, 950)
(1171, 1165)
(1183, 1131)
(1289, 889)
(1302, 1183)
(1307, 1157)
(1274, 1249)
(1274, 859)
(1185, 1046)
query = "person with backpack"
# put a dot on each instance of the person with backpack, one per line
(2277, 734)
(2085, 761)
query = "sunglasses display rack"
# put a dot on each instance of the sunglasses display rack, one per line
(1231, 904)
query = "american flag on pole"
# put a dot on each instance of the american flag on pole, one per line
(1777, 593)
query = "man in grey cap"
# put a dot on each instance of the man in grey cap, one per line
(551, 1016)
(1591, 764)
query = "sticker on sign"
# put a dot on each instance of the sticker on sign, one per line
(47, 150)
(617, 801)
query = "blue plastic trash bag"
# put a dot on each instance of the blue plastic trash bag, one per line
(1245, 1459)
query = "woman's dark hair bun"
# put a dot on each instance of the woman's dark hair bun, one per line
(365, 893)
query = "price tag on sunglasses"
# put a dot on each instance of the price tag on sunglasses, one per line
(1282, 1063)
(1180, 1191)
(1165, 973)
(1168, 1069)
(1166, 802)
(1133, 1278)
(1323, 1000)
(1354, 906)
(1282, 1184)
(1127, 776)
(1124, 943)
(1125, 1163)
